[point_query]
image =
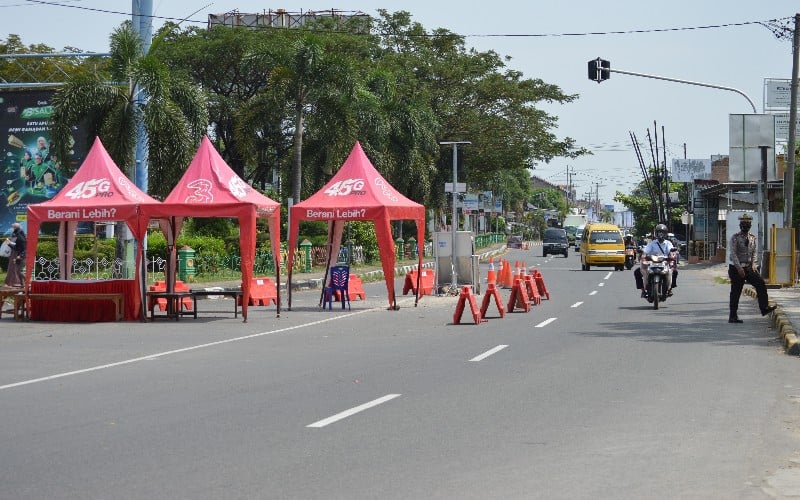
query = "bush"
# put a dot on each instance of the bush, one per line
(216, 227)
(84, 248)
(156, 244)
(315, 231)
(363, 234)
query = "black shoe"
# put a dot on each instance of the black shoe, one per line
(735, 320)
(669, 293)
(644, 294)
(768, 310)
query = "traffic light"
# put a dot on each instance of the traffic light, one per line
(599, 70)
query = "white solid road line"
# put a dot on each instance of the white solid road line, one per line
(576, 304)
(150, 357)
(353, 411)
(610, 273)
(489, 353)
(593, 292)
(545, 323)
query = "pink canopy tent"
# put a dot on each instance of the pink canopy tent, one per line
(210, 188)
(97, 192)
(359, 192)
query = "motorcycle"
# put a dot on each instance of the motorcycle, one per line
(658, 267)
(630, 257)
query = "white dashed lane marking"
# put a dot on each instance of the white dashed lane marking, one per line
(545, 323)
(353, 411)
(489, 353)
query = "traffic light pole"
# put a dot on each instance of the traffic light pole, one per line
(701, 84)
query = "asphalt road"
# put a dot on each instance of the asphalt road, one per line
(592, 394)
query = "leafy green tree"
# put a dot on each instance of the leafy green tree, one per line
(233, 65)
(645, 213)
(106, 102)
(303, 73)
(474, 97)
(295, 100)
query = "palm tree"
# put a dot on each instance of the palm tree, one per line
(304, 74)
(106, 102)
(309, 70)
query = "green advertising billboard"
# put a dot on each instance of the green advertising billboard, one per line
(31, 172)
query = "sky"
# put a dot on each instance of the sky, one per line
(718, 42)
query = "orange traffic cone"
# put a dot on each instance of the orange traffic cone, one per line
(491, 278)
(508, 280)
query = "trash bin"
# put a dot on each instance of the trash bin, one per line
(186, 265)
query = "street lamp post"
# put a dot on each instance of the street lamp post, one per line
(455, 210)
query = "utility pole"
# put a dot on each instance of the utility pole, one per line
(597, 187)
(143, 25)
(455, 144)
(570, 173)
(788, 176)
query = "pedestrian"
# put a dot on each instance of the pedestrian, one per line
(16, 262)
(743, 269)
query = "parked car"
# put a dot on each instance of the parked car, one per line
(514, 241)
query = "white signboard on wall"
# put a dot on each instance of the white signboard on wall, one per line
(687, 170)
(747, 133)
(779, 93)
(782, 126)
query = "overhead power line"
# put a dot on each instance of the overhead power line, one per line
(769, 23)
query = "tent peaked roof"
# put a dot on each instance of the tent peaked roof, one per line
(359, 192)
(209, 180)
(98, 183)
(358, 185)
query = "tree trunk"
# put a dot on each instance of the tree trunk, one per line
(120, 250)
(297, 165)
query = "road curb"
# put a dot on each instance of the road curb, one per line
(782, 323)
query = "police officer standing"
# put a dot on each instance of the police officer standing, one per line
(743, 270)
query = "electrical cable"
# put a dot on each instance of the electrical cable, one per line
(768, 23)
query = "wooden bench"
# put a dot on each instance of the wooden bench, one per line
(176, 305)
(17, 295)
(236, 295)
(117, 298)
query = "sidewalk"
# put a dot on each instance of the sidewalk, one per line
(785, 319)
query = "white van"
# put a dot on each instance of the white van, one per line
(578, 236)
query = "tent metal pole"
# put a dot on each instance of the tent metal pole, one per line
(331, 232)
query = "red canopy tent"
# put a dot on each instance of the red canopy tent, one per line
(359, 192)
(210, 188)
(98, 191)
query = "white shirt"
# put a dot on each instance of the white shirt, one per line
(653, 247)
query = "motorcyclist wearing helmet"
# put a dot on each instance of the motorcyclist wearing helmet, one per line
(630, 244)
(658, 246)
(629, 241)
